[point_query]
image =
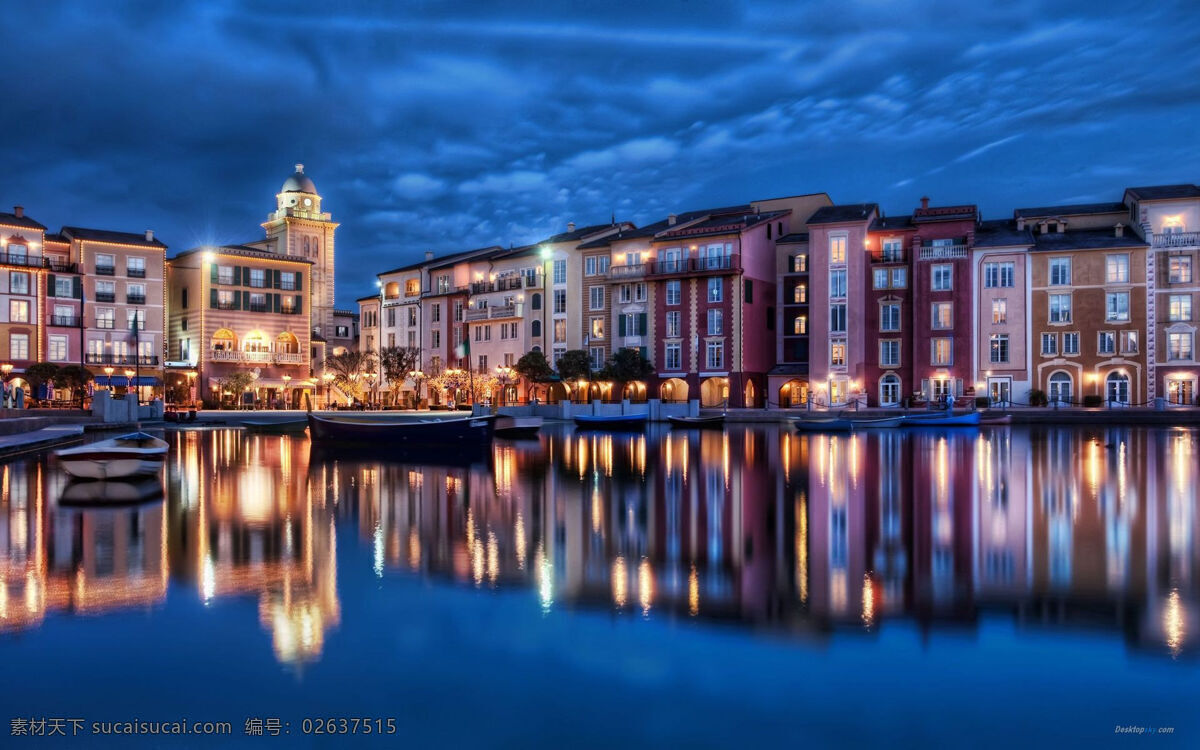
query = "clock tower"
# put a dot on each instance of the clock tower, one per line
(298, 227)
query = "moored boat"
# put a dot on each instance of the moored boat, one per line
(614, 422)
(381, 432)
(697, 422)
(276, 427)
(970, 419)
(995, 419)
(133, 455)
(877, 423)
(826, 424)
(112, 492)
(518, 427)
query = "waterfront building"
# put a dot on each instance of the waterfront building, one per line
(343, 336)
(788, 379)
(1000, 331)
(1168, 218)
(504, 310)
(572, 295)
(22, 241)
(368, 316)
(1088, 292)
(238, 308)
(887, 291)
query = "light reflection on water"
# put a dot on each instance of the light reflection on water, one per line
(1061, 529)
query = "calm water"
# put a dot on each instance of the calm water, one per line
(751, 587)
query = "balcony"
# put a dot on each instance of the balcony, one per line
(942, 252)
(532, 280)
(635, 271)
(106, 296)
(508, 283)
(147, 360)
(14, 259)
(889, 257)
(135, 273)
(65, 321)
(225, 306)
(106, 270)
(224, 355)
(289, 358)
(59, 266)
(505, 311)
(478, 314)
(1177, 239)
(410, 293)
(695, 266)
(260, 307)
(135, 299)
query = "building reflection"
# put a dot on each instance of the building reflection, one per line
(808, 534)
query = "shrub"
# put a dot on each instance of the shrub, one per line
(1093, 400)
(1037, 397)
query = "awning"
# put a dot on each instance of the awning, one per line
(121, 380)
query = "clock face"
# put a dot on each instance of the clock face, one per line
(308, 201)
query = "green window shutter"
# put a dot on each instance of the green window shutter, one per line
(274, 303)
(641, 324)
(214, 273)
(212, 300)
(749, 292)
(299, 304)
(621, 326)
(237, 275)
(275, 279)
(299, 281)
(50, 285)
(77, 287)
(246, 277)
(237, 300)
(642, 349)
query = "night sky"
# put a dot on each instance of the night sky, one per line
(451, 125)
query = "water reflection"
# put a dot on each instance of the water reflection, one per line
(805, 533)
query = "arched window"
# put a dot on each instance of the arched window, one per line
(889, 390)
(224, 340)
(316, 246)
(536, 329)
(305, 245)
(535, 303)
(1117, 388)
(286, 343)
(256, 341)
(1060, 388)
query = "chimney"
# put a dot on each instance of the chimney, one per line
(19, 211)
(570, 226)
(671, 220)
(1020, 222)
(1061, 226)
(925, 201)
(1119, 230)
(428, 255)
(149, 235)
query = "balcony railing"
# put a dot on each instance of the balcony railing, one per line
(37, 261)
(260, 307)
(942, 252)
(106, 270)
(532, 280)
(135, 273)
(412, 293)
(480, 314)
(635, 271)
(59, 266)
(66, 321)
(504, 311)
(289, 358)
(135, 299)
(225, 306)
(106, 296)
(691, 266)
(889, 257)
(233, 355)
(1177, 239)
(93, 358)
(508, 283)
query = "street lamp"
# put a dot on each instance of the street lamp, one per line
(191, 379)
(370, 376)
(108, 371)
(286, 379)
(328, 378)
(417, 377)
(129, 382)
(504, 374)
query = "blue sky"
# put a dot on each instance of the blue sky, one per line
(448, 125)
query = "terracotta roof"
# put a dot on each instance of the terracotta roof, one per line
(1001, 233)
(115, 238)
(12, 220)
(843, 214)
(1163, 192)
(242, 251)
(1075, 209)
(1086, 239)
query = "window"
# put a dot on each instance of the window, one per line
(458, 310)
(942, 278)
(639, 292)
(673, 324)
(18, 311)
(889, 353)
(18, 282)
(1179, 307)
(104, 317)
(287, 281)
(56, 351)
(800, 294)
(714, 355)
(224, 274)
(673, 356)
(626, 293)
(1179, 269)
(64, 287)
(837, 318)
(598, 328)
(800, 264)
(800, 325)
(535, 329)
(943, 316)
(560, 301)
(106, 291)
(258, 277)
(1060, 308)
(560, 271)
(1116, 268)
(997, 275)
(589, 266)
(18, 346)
(1060, 272)
(136, 293)
(893, 251)
(557, 354)
(714, 323)
(942, 354)
(106, 264)
(899, 278)
(435, 338)
(1116, 306)
(1179, 346)
(999, 311)
(391, 316)
(1106, 342)
(889, 317)
(435, 313)
(837, 249)
(443, 283)
(1049, 344)
(560, 331)
(748, 291)
(412, 316)
(1060, 388)
(1129, 342)
(673, 292)
(258, 303)
(483, 363)
(1070, 343)
(595, 298)
(715, 290)
(135, 319)
(535, 303)
(837, 283)
(881, 278)
(837, 353)
(596, 357)
(998, 349)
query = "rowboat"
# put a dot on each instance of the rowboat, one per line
(133, 455)
(615, 422)
(515, 428)
(112, 492)
(276, 427)
(995, 419)
(697, 422)
(970, 419)
(383, 433)
(880, 423)
(830, 424)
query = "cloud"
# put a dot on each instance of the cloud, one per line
(416, 186)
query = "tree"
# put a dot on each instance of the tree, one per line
(575, 365)
(39, 375)
(627, 365)
(397, 362)
(75, 377)
(347, 368)
(451, 381)
(533, 367)
(236, 383)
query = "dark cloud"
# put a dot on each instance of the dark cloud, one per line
(447, 125)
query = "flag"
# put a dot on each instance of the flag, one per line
(463, 350)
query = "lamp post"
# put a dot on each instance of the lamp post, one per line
(286, 380)
(454, 375)
(370, 376)
(417, 377)
(328, 378)
(504, 374)
(108, 371)
(191, 379)
(129, 374)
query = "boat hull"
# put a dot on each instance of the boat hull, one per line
(112, 492)
(445, 432)
(622, 422)
(697, 422)
(971, 419)
(135, 455)
(518, 427)
(996, 420)
(824, 425)
(288, 427)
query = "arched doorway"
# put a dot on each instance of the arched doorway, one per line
(673, 390)
(224, 340)
(889, 390)
(556, 392)
(749, 395)
(714, 392)
(1117, 388)
(287, 343)
(1060, 388)
(635, 391)
(793, 394)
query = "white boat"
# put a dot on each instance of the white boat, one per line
(113, 492)
(133, 455)
(518, 427)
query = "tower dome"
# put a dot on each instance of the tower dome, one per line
(299, 182)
